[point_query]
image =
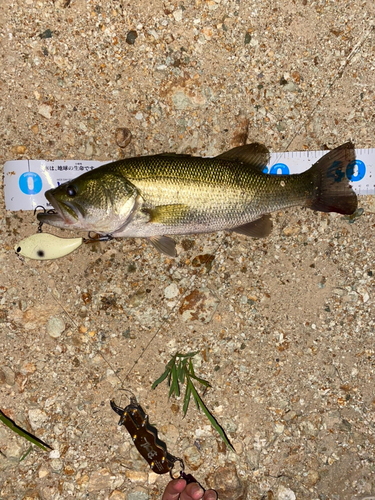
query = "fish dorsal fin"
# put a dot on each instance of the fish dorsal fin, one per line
(259, 228)
(175, 155)
(164, 244)
(255, 155)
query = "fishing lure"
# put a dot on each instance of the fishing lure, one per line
(44, 246)
(145, 439)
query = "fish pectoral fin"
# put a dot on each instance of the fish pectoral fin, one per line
(168, 214)
(164, 244)
(259, 228)
(254, 155)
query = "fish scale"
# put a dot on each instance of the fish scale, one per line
(223, 196)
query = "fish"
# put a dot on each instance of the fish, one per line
(162, 195)
(45, 246)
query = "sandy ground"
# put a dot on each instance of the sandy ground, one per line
(289, 349)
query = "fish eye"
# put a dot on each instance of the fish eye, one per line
(18, 249)
(71, 191)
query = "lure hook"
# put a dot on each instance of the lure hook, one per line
(45, 211)
(93, 239)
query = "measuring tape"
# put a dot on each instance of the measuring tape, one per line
(25, 181)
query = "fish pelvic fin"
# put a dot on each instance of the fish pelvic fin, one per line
(331, 190)
(259, 228)
(254, 155)
(164, 244)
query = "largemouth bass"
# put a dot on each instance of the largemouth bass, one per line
(167, 194)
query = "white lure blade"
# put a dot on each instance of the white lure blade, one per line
(44, 246)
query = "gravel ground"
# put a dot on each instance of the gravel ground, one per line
(284, 326)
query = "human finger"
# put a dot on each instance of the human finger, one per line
(193, 491)
(174, 489)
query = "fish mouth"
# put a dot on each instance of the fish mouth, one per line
(63, 215)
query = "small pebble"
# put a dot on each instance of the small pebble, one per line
(193, 457)
(228, 485)
(131, 37)
(43, 471)
(46, 34)
(100, 480)
(177, 14)
(171, 291)
(312, 478)
(138, 494)
(45, 110)
(123, 137)
(28, 368)
(117, 495)
(55, 327)
(37, 418)
(19, 150)
(284, 493)
(56, 464)
(199, 305)
(7, 375)
(136, 476)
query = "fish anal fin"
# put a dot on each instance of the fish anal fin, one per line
(254, 155)
(259, 228)
(164, 244)
(168, 214)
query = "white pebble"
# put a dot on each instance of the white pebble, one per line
(45, 110)
(177, 14)
(284, 493)
(171, 291)
(55, 327)
(37, 418)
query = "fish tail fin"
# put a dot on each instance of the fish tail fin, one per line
(331, 190)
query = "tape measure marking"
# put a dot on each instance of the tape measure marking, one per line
(25, 181)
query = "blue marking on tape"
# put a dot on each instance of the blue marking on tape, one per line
(361, 170)
(279, 168)
(30, 183)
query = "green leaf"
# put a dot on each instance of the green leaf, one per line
(200, 380)
(174, 385)
(186, 399)
(160, 379)
(191, 368)
(21, 432)
(181, 370)
(215, 424)
(191, 386)
(26, 453)
(171, 391)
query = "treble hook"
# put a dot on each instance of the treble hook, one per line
(92, 239)
(40, 222)
(45, 211)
